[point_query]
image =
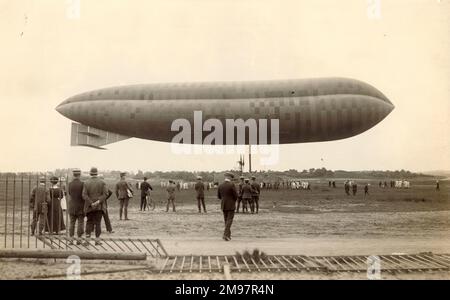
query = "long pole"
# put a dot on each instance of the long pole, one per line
(249, 158)
(29, 210)
(21, 209)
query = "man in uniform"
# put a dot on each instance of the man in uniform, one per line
(244, 205)
(171, 195)
(227, 193)
(94, 195)
(145, 190)
(255, 193)
(39, 201)
(76, 206)
(124, 192)
(200, 189)
(246, 194)
(354, 188)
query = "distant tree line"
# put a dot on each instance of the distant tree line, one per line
(269, 175)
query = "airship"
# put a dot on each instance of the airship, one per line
(305, 110)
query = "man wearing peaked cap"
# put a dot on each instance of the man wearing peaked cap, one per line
(246, 194)
(229, 175)
(145, 188)
(124, 192)
(228, 195)
(171, 196)
(256, 190)
(239, 200)
(200, 189)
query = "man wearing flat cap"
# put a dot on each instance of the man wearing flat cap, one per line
(228, 194)
(76, 205)
(200, 189)
(124, 192)
(94, 195)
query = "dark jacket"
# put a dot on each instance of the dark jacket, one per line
(246, 191)
(122, 188)
(39, 195)
(255, 189)
(145, 187)
(240, 189)
(200, 189)
(171, 190)
(94, 189)
(228, 194)
(76, 202)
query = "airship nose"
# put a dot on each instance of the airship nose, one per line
(389, 107)
(62, 108)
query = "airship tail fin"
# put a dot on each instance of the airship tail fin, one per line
(83, 135)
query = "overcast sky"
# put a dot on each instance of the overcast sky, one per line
(48, 54)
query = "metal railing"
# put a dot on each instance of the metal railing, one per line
(16, 217)
(16, 214)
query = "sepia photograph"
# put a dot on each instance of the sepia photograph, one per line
(196, 141)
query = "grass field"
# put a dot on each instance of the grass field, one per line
(283, 213)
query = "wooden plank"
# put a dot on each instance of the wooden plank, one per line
(281, 263)
(274, 265)
(209, 264)
(237, 265)
(173, 264)
(192, 262)
(31, 253)
(164, 265)
(182, 264)
(256, 265)
(243, 259)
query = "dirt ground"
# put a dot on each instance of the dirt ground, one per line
(56, 269)
(322, 221)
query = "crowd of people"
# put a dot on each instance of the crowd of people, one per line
(88, 200)
(87, 204)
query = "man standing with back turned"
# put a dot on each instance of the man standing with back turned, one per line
(145, 190)
(76, 206)
(256, 192)
(123, 194)
(94, 195)
(228, 194)
(200, 189)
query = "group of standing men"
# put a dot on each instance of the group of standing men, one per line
(248, 195)
(88, 199)
(228, 194)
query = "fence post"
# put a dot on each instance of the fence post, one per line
(67, 206)
(29, 210)
(21, 209)
(6, 208)
(14, 210)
